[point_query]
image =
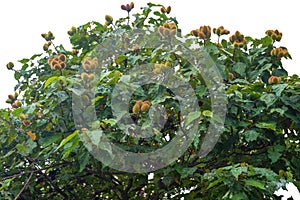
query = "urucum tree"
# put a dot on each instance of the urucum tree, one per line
(69, 107)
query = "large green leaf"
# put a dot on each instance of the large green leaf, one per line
(269, 99)
(67, 139)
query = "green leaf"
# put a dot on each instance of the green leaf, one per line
(191, 117)
(46, 141)
(24, 60)
(83, 160)
(265, 125)
(281, 111)
(239, 196)
(120, 59)
(95, 136)
(21, 148)
(279, 72)
(96, 99)
(250, 135)
(201, 90)
(266, 41)
(30, 109)
(269, 99)
(110, 121)
(212, 184)
(279, 88)
(207, 113)
(70, 146)
(67, 139)
(240, 68)
(238, 171)
(255, 183)
(186, 171)
(50, 80)
(274, 156)
(274, 153)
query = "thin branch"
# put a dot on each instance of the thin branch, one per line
(25, 185)
(33, 171)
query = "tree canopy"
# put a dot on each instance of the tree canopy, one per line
(136, 110)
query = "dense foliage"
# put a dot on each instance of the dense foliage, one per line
(42, 154)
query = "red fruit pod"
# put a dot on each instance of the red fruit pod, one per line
(63, 65)
(161, 30)
(145, 107)
(131, 5)
(123, 7)
(128, 8)
(91, 77)
(163, 9)
(173, 32)
(84, 76)
(136, 109)
(168, 9)
(139, 103)
(62, 57)
(147, 102)
(195, 33)
(271, 80)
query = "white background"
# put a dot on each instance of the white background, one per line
(22, 23)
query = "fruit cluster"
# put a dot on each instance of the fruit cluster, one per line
(128, 7)
(238, 39)
(159, 67)
(140, 106)
(108, 20)
(204, 32)
(89, 65)
(220, 31)
(165, 10)
(280, 52)
(274, 34)
(167, 29)
(48, 36)
(58, 62)
(12, 99)
(274, 79)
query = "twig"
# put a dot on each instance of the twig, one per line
(33, 171)
(25, 185)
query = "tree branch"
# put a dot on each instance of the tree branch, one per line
(25, 185)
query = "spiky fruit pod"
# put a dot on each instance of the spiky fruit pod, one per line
(145, 107)
(17, 104)
(91, 77)
(274, 79)
(8, 101)
(84, 76)
(147, 102)
(109, 19)
(231, 76)
(62, 57)
(163, 9)
(168, 9)
(72, 31)
(10, 66)
(136, 108)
